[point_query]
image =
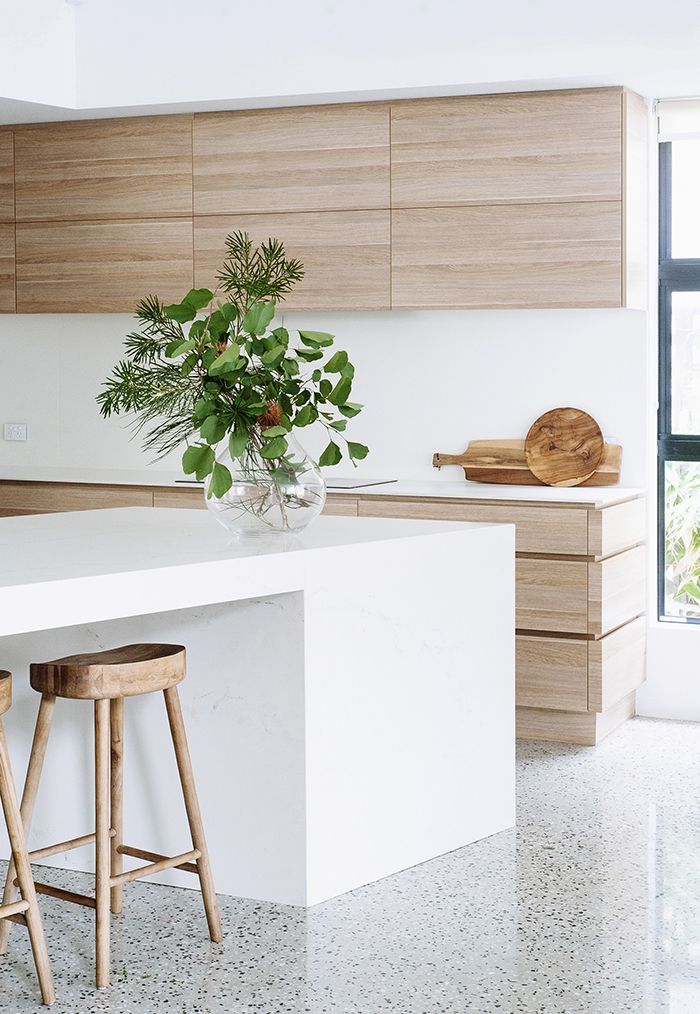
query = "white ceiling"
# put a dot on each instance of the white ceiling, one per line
(64, 60)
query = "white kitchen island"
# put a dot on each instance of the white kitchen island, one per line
(349, 700)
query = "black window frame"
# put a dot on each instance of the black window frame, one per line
(675, 275)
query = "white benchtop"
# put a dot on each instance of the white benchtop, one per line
(449, 489)
(63, 568)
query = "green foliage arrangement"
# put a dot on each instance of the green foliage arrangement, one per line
(205, 369)
(682, 537)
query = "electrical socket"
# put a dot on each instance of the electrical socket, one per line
(15, 431)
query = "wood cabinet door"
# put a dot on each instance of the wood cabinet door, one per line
(314, 158)
(345, 255)
(7, 177)
(551, 595)
(105, 267)
(7, 268)
(140, 167)
(532, 255)
(551, 672)
(517, 148)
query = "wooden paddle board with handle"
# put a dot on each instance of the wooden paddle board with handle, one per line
(564, 447)
(504, 461)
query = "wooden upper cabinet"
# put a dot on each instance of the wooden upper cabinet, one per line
(107, 267)
(140, 167)
(7, 267)
(515, 148)
(7, 177)
(315, 158)
(527, 255)
(346, 255)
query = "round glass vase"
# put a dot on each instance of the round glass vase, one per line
(268, 496)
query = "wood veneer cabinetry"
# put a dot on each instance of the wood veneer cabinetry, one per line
(310, 158)
(140, 167)
(521, 200)
(346, 255)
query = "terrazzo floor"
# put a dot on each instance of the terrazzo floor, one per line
(592, 905)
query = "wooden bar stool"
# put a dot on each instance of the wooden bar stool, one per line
(107, 677)
(26, 910)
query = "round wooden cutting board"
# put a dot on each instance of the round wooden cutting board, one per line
(564, 447)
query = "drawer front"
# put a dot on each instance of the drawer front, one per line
(616, 664)
(615, 528)
(342, 506)
(47, 498)
(538, 529)
(552, 595)
(551, 672)
(616, 590)
(187, 498)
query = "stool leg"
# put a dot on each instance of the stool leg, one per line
(194, 816)
(102, 843)
(31, 787)
(116, 717)
(15, 831)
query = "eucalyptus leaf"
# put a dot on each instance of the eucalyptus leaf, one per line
(273, 356)
(237, 442)
(274, 431)
(220, 482)
(198, 298)
(180, 312)
(350, 409)
(357, 451)
(258, 317)
(198, 458)
(227, 360)
(213, 429)
(316, 338)
(331, 455)
(275, 449)
(305, 416)
(337, 363)
(339, 394)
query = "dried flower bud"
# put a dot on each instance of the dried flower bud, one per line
(272, 416)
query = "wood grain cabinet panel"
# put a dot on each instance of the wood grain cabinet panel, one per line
(551, 595)
(7, 177)
(341, 506)
(345, 255)
(551, 672)
(48, 497)
(616, 664)
(140, 167)
(617, 590)
(315, 158)
(74, 267)
(542, 529)
(517, 148)
(7, 267)
(536, 255)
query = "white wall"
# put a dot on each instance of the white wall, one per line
(430, 381)
(38, 52)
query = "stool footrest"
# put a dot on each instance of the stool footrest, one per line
(15, 908)
(65, 846)
(154, 857)
(165, 863)
(58, 892)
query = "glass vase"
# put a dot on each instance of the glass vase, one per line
(268, 496)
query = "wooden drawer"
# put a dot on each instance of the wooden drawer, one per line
(615, 528)
(579, 597)
(345, 506)
(188, 498)
(538, 529)
(567, 674)
(47, 498)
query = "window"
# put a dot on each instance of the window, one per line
(679, 379)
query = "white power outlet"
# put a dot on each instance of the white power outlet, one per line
(15, 431)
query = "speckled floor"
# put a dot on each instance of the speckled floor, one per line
(592, 905)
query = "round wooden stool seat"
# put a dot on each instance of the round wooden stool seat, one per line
(120, 672)
(5, 691)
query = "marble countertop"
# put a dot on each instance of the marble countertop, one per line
(67, 568)
(449, 489)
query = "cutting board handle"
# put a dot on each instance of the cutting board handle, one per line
(447, 459)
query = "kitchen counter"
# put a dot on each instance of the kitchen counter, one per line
(448, 489)
(344, 685)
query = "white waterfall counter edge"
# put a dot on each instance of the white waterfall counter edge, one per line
(349, 700)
